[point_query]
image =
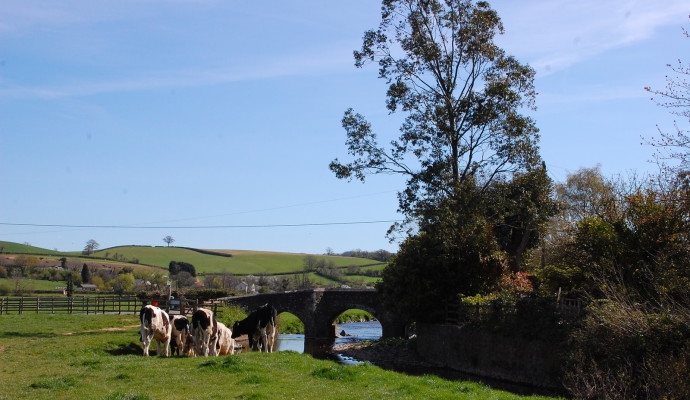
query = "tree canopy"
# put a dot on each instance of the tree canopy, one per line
(476, 192)
(463, 97)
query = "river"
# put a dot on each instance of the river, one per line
(355, 331)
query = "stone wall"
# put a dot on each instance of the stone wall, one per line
(488, 354)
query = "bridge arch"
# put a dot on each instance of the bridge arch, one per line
(319, 308)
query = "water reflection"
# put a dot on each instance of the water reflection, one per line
(355, 331)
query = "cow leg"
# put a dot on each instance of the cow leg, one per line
(264, 340)
(271, 340)
(166, 347)
(146, 343)
(213, 346)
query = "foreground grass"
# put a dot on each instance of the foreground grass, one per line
(72, 356)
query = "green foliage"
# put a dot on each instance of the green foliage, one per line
(431, 269)
(230, 314)
(85, 274)
(354, 315)
(290, 324)
(622, 350)
(528, 316)
(644, 252)
(175, 267)
(207, 294)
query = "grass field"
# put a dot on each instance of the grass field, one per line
(11, 247)
(99, 357)
(32, 284)
(242, 262)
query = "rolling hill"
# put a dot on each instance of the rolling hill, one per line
(238, 262)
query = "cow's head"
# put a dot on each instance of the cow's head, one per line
(236, 330)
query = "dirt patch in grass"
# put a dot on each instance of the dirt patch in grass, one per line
(113, 329)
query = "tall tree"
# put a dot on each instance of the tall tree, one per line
(464, 132)
(85, 274)
(462, 95)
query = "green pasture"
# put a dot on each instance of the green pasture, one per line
(99, 357)
(31, 285)
(242, 262)
(11, 247)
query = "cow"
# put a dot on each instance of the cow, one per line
(225, 343)
(260, 328)
(155, 325)
(205, 329)
(182, 339)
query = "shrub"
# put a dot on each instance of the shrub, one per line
(623, 350)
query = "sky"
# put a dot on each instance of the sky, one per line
(214, 121)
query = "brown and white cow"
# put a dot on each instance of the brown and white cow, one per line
(182, 338)
(205, 329)
(155, 325)
(225, 343)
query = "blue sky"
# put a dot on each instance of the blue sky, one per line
(174, 113)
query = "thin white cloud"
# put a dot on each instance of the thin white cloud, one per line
(325, 63)
(554, 35)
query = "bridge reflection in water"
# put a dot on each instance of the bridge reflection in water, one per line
(323, 348)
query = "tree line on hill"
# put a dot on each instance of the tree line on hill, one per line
(378, 255)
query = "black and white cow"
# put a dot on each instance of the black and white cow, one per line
(205, 329)
(260, 328)
(182, 338)
(155, 325)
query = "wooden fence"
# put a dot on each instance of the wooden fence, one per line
(70, 305)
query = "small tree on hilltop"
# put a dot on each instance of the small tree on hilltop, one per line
(169, 240)
(91, 246)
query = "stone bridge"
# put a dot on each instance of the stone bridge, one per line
(318, 308)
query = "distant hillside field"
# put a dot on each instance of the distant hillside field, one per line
(11, 247)
(239, 262)
(242, 262)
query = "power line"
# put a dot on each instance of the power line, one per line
(198, 226)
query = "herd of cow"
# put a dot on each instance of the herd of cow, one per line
(203, 335)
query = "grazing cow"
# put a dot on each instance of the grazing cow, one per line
(205, 329)
(155, 324)
(182, 338)
(225, 343)
(260, 328)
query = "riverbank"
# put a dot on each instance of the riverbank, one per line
(394, 354)
(401, 356)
